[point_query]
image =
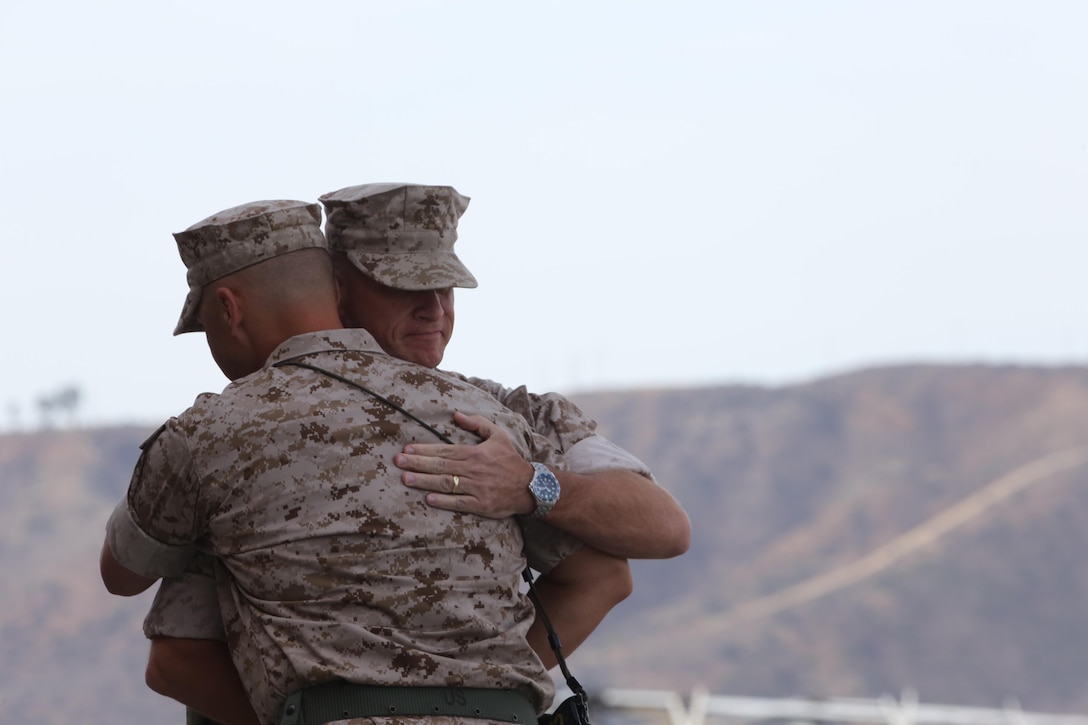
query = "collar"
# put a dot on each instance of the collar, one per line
(309, 343)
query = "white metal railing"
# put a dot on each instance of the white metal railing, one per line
(907, 710)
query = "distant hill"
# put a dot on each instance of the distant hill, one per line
(793, 490)
(916, 526)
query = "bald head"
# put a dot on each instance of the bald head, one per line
(291, 285)
(248, 313)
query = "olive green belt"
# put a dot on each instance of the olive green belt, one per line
(343, 700)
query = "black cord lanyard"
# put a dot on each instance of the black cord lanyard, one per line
(526, 574)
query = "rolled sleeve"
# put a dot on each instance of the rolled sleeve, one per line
(597, 453)
(545, 545)
(141, 553)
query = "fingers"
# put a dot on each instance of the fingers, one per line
(487, 479)
(477, 424)
(423, 463)
(457, 492)
(464, 503)
(449, 484)
(446, 492)
(445, 501)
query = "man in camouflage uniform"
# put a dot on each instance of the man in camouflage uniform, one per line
(393, 248)
(324, 570)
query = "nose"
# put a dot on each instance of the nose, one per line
(429, 305)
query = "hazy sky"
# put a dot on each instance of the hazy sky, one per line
(679, 193)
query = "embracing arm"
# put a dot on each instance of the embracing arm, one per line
(617, 510)
(189, 660)
(200, 674)
(622, 513)
(576, 595)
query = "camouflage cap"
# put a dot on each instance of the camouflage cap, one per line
(240, 237)
(400, 235)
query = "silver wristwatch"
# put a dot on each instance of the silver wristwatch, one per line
(545, 489)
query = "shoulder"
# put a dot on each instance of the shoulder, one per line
(210, 414)
(153, 437)
(431, 382)
(492, 388)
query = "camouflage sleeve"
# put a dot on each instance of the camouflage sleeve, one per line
(153, 531)
(567, 428)
(597, 453)
(551, 415)
(545, 545)
(186, 605)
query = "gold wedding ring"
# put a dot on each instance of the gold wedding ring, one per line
(456, 483)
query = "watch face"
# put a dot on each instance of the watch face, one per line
(545, 489)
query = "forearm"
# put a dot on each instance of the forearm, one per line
(576, 596)
(622, 513)
(200, 674)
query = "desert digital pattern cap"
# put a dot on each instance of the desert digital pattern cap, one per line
(400, 235)
(240, 237)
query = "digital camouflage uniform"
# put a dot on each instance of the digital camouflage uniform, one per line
(186, 605)
(336, 570)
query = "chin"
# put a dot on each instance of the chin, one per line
(426, 358)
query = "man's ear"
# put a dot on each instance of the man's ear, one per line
(341, 300)
(229, 305)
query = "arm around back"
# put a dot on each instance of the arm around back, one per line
(622, 513)
(200, 674)
(615, 507)
(576, 595)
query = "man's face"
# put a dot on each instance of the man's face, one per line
(411, 325)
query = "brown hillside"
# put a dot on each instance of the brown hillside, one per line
(794, 492)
